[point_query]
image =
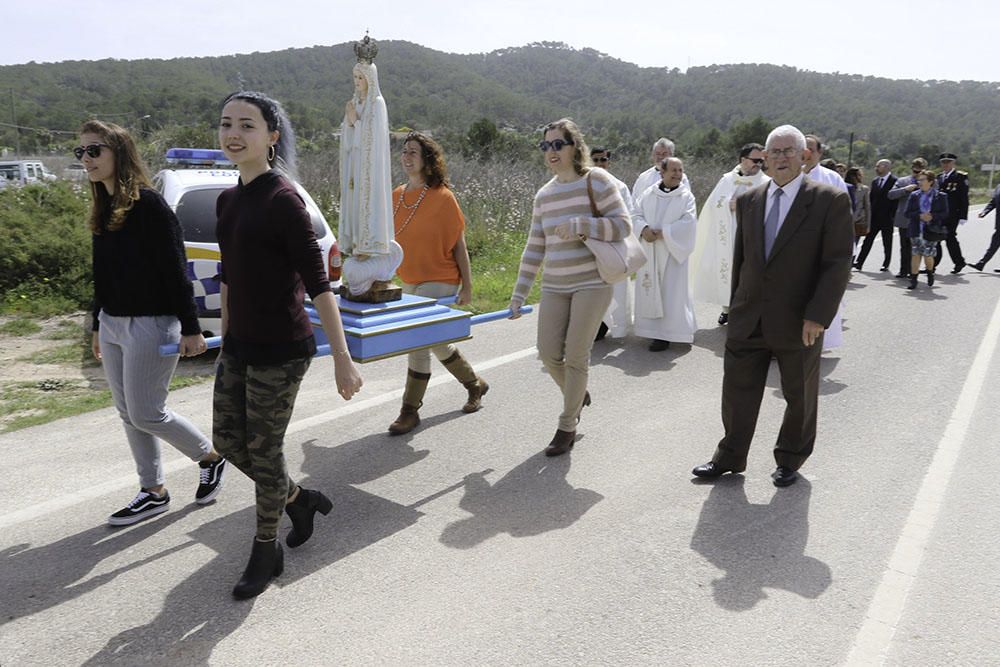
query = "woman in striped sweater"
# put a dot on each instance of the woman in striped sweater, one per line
(574, 298)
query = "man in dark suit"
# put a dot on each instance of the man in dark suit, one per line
(883, 213)
(955, 184)
(995, 241)
(791, 264)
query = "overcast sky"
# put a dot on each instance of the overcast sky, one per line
(896, 39)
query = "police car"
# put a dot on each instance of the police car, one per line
(191, 184)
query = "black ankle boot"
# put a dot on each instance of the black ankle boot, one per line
(302, 511)
(930, 278)
(913, 281)
(267, 561)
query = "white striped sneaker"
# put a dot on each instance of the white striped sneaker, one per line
(143, 506)
(209, 480)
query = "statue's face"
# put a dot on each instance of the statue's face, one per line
(360, 84)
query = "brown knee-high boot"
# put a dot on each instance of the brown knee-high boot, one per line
(462, 370)
(413, 398)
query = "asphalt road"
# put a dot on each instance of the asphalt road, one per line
(460, 544)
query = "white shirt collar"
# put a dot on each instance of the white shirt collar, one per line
(789, 189)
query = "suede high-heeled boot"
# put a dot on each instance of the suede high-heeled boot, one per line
(457, 365)
(561, 443)
(413, 398)
(302, 512)
(267, 561)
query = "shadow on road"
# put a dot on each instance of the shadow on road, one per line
(531, 499)
(199, 612)
(36, 579)
(631, 356)
(758, 546)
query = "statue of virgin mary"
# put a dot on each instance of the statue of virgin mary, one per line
(365, 231)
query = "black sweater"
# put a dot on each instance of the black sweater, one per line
(270, 259)
(141, 269)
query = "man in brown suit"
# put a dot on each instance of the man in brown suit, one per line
(791, 264)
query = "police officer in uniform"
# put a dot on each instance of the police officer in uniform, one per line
(955, 184)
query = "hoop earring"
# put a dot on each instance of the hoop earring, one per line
(271, 152)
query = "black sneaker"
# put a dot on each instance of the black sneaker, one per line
(209, 481)
(143, 506)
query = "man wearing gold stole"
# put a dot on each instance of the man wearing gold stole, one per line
(712, 264)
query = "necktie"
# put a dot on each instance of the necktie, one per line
(881, 182)
(771, 223)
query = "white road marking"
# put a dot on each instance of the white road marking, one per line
(875, 637)
(129, 481)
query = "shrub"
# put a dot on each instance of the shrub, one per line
(44, 245)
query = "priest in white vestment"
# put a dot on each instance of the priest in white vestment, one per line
(662, 149)
(666, 218)
(814, 171)
(618, 318)
(712, 263)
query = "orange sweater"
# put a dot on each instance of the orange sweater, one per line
(429, 238)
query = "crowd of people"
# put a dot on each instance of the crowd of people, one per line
(773, 247)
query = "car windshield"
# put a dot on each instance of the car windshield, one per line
(196, 212)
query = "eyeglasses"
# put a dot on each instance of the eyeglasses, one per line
(93, 150)
(601, 159)
(787, 152)
(755, 160)
(556, 145)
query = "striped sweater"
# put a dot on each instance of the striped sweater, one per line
(569, 265)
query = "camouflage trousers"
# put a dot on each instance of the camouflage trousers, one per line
(252, 406)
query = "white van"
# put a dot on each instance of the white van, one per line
(192, 184)
(22, 172)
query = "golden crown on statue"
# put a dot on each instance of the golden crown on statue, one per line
(366, 50)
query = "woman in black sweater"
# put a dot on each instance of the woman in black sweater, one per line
(142, 299)
(270, 259)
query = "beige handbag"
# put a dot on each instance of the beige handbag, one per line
(616, 260)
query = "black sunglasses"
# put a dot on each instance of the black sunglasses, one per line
(93, 150)
(601, 159)
(756, 160)
(556, 145)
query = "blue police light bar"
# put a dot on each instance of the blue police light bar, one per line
(197, 157)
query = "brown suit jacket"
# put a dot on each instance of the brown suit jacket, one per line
(807, 272)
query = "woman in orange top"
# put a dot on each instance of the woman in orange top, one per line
(430, 228)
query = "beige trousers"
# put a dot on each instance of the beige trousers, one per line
(420, 360)
(567, 324)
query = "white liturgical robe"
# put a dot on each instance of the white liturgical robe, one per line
(618, 317)
(712, 262)
(834, 336)
(664, 308)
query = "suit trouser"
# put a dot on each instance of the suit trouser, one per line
(994, 242)
(252, 406)
(139, 379)
(905, 251)
(954, 250)
(744, 378)
(885, 229)
(567, 325)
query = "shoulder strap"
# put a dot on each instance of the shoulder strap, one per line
(590, 196)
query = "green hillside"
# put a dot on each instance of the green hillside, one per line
(520, 88)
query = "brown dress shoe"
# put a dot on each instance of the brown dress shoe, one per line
(561, 443)
(407, 420)
(477, 389)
